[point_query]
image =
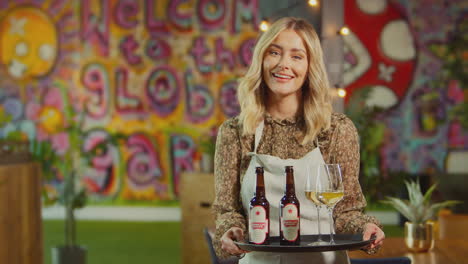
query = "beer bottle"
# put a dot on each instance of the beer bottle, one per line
(290, 221)
(259, 213)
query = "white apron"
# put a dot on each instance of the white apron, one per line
(275, 183)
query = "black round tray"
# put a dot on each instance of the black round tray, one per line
(342, 242)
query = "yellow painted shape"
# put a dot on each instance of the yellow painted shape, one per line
(28, 43)
(51, 119)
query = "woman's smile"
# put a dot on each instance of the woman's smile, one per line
(281, 77)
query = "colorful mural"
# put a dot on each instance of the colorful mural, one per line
(394, 57)
(151, 77)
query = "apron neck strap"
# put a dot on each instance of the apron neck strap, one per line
(258, 134)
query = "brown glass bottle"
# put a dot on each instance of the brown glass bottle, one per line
(290, 221)
(259, 213)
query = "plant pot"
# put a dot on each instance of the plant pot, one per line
(68, 255)
(419, 237)
(207, 163)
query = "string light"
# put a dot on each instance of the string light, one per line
(313, 2)
(264, 25)
(344, 31)
(341, 92)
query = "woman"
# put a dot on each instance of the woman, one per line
(286, 117)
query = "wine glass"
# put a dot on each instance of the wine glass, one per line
(310, 193)
(330, 190)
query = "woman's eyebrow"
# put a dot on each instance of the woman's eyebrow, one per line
(293, 49)
(300, 50)
(276, 46)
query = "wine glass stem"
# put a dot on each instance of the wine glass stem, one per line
(332, 229)
(318, 223)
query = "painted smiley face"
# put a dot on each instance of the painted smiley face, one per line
(28, 43)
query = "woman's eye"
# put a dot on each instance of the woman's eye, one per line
(273, 52)
(297, 57)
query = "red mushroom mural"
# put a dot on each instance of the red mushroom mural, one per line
(380, 51)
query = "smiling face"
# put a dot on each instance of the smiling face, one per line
(285, 65)
(28, 43)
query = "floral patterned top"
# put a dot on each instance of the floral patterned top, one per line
(282, 138)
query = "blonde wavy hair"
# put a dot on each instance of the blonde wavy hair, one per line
(316, 104)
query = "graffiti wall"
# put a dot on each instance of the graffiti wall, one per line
(397, 58)
(147, 77)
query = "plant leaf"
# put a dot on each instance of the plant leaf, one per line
(402, 206)
(418, 208)
(435, 208)
(428, 194)
(414, 192)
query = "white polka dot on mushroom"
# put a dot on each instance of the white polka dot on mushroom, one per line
(372, 7)
(381, 96)
(397, 42)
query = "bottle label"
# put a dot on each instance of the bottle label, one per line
(258, 225)
(290, 222)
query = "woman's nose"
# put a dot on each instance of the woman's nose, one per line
(284, 63)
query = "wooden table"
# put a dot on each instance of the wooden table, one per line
(444, 252)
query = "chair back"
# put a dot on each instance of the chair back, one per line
(214, 257)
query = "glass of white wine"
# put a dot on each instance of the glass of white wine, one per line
(312, 172)
(330, 190)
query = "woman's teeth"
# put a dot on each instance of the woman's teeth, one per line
(282, 76)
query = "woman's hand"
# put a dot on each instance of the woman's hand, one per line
(370, 230)
(227, 241)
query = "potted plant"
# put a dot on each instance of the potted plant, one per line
(70, 194)
(71, 198)
(418, 210)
